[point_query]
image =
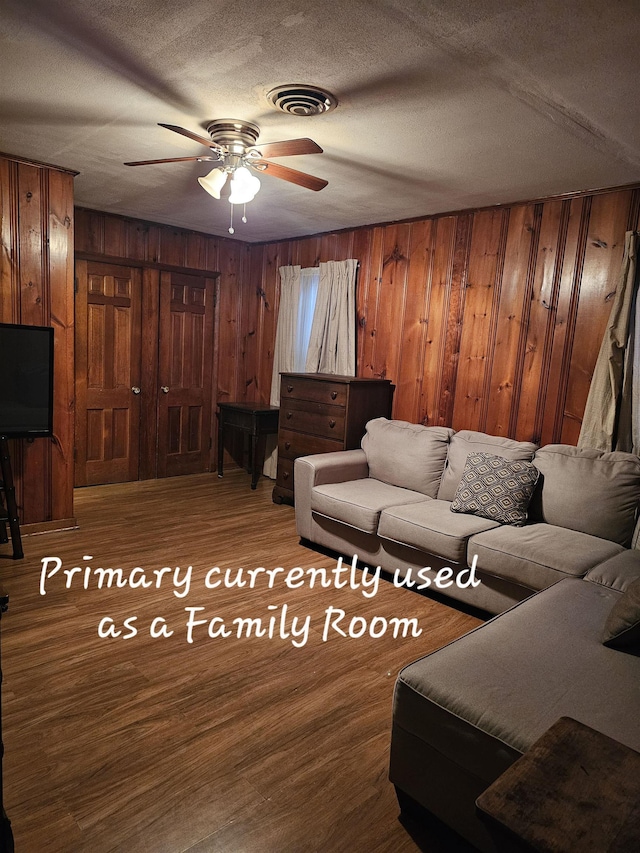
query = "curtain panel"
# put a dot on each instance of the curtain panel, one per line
(610, 419)
(284, 353)
(332, 346)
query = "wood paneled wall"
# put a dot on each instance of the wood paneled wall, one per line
(36, 288)
(488, 320)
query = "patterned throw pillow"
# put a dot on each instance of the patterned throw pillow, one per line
(496, 488)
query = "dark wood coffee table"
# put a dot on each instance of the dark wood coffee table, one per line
(574, 790)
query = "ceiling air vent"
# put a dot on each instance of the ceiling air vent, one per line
(298, 99)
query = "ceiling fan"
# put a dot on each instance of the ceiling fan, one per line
(233, 146)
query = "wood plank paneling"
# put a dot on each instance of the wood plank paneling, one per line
(392, 287)
(36, 288)
(480, 291)
(488, 319)
(61, 236)
(415, 320)
(33, 198)
(369, 312)
(439, 299)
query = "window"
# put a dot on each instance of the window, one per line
(309, 279)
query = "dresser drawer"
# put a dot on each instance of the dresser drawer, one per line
(284, 476)
(293, 444)
(314, 418)
(332, 393)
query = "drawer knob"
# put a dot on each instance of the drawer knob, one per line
(285, 475)
(289, 388)
(287, 445)
(334, 394)
(332, 423)
(289, 415)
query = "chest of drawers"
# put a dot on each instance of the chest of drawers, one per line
(320, 412)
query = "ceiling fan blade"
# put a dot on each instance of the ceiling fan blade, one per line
(291, 175)
(288, 148)
(201, 139)
(168, 160)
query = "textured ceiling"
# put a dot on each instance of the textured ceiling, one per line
(443, 104)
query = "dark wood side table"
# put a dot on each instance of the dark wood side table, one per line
(575, 790)
(255, 421)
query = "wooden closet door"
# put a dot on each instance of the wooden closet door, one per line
(185, 372)
(108, 362)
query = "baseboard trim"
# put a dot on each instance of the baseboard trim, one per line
(48, 526)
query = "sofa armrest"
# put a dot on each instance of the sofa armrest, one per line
(617, 572)
(337, 467)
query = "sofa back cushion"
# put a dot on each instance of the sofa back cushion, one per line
(410, 456)
(588, 490)
(465, 442)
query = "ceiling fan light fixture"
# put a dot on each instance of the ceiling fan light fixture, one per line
(244, 186)
(213, 182)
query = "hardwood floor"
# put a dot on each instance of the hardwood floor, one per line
(221, 745)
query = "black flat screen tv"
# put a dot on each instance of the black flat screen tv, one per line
(26, 381)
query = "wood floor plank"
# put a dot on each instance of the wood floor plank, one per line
(225, 744)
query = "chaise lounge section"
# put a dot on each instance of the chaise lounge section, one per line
(465, 713)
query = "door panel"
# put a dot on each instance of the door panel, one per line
(185, 370)
(108, 365)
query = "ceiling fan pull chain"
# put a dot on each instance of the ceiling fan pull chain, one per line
(231, 228)
(244, 213)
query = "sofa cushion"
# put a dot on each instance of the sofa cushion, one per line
(496, 488)
(359, 503)
(410, 456)
(538, 555)
(465, 442)
(622, 628)
(431, 526)
(588, 490)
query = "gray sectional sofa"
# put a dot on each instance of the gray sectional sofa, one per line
(390, 503)
(464, 713)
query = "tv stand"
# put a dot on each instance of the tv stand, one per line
(8, 509)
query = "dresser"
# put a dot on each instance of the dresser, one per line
(320, 412)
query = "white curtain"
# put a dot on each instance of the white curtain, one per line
(332, 347)
(284, 354)
(284, 351)
(298, 291)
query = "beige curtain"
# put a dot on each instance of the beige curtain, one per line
(284, 355)
(332, 346)
(609, 414)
